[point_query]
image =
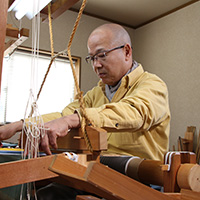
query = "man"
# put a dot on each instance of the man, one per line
(132, 105)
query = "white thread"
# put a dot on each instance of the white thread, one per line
(134, 157)
(72, 156)
(33, 128)
(168, 158)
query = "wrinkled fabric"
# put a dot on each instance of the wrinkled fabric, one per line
(137, 119)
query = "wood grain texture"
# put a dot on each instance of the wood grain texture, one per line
(3, 21)
(103, 181)
(24, 171)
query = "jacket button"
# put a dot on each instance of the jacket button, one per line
(117, 124)
(129, 86)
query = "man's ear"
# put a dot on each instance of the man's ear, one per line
(128, 51)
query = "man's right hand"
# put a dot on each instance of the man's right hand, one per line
(57, 128)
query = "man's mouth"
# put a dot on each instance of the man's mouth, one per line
(102, 75)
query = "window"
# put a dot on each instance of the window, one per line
(57, 92)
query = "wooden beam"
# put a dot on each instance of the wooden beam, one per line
(17, 37)
(37, 169)
(10, 3)
(24, 171)
(15, 32)
(3, 22)
(175, 196)
(57, 8)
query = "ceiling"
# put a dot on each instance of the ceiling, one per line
(131, 13)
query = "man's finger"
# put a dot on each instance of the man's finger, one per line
(52, 139)
(44, 145)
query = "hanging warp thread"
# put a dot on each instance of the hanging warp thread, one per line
(33, 126)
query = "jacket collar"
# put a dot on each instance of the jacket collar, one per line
(132, 77)
(127, 80)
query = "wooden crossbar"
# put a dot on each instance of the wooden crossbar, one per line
(25, 171)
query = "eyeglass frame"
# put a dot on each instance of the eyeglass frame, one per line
(90, 59)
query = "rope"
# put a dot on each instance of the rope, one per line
(51, 62)
(80, 93)
(50, 29)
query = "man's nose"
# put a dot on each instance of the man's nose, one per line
(97, 63)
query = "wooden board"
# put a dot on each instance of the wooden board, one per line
(30, 170)
(102, 181)
(16, 38)
(74, 140)
(3, 22)
(57, 8)
(24, 171)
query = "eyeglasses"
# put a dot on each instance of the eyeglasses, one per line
(101, 56)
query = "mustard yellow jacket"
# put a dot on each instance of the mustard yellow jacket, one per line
(137, 119)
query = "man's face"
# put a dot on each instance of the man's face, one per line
(110, 67)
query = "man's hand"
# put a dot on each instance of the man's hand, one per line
(58, 128)
(8, 130)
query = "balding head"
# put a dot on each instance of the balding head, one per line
(115, 33)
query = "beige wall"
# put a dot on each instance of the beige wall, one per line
(170, 47)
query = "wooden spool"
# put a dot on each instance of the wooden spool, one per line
(150, 172)
(188, 177)
(146, 171)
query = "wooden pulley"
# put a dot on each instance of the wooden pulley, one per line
(188, 177)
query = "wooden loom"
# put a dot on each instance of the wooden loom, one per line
(101, 180)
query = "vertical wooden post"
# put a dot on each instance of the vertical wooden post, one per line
(170, 182)
(3, 22)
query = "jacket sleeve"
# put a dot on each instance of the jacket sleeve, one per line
(144, 105)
